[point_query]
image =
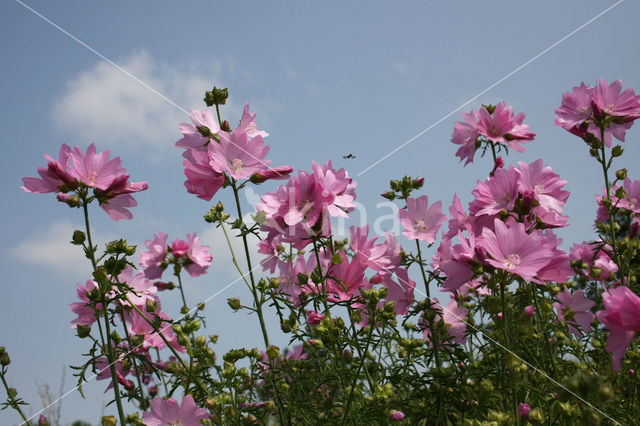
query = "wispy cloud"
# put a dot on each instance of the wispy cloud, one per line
(50, 248)
(108, 107)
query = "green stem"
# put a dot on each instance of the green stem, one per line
(143, 402)
(605, 171)
(424, 275)
(541, 324)
(184, 300)
(109, 349)
(360, 365)
(12, 401)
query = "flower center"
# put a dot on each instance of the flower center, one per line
(512, 261)
(420, 226)
(236, 164)
(538, 189)
(91, 178)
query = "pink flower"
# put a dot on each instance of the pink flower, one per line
(248, 124)
(544, 184)
(201, 181)
(314, 318)
(290, 277)
(237, 155)
(339, 185)
(198, 256)
(397, 415)
(108, 179)
(346, 279)
(198, 134)
(575, 109)
(154, 260)
(621, 316)
(497, 193)
(276, 173)
(454, 318)
(465, 133)
(528, 310)
(401, 291)
(142, 288)
(515, 251)
(103, 372)
(524, 409)
(607, 99)
(502, 126)
(139, 326)
(168, 412)
(86, 313)
(574, 309)
(589, 254)
(420, 221)
(632, 200)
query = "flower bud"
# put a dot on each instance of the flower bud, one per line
(389, 195)
(4, 359)
(151, 305)
(621, 193)
(524, 409)
(225, 126)
(78, 237)
(109, 421)
(617, 151)
(83, 331)
(336, 259)
(234, 303)
(43, 421)
(273, 352)
(621, 174)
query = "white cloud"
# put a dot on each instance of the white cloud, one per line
(106, 106)
(51, 248)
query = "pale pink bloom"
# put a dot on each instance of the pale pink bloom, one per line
(237, 155)
(589, 254)
(545, 184)
(458, 219)
(93, 169)
(421, 221)
(559, 267)
(290, 277)
(524, 409)
(454, 317)
(397, 415)
(400, 291)
(198, 256)
(103, 372)
(139, 326)
(575, 109)
(465, 133)
(168, 412)
(154, 260)
(504, 127)
(457, 263)
(497, 193)
(193, 134)
(515, 251)
(621, 316)
(86, 313)
(574, 309)
(202, 180)
(607, 99)
(314, 318)
(271, 247)
(54, 178)
(632, 200)
(346, 279)
(248, 124)
(340, 187)
(142, 288)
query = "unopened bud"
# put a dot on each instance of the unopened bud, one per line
(109, 421)
(389, 195)
(83, 331)
(621, 193)
(234, 303)
(621, 174)
(78, 237)
(617, 151)
(273, 352)
(336, 259)
(4, 359)
(225, 126)
(151, 305)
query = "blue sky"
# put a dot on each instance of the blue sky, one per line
(326, 79)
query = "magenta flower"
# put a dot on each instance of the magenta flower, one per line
(237, 155)
(168, 412)
(103, 372)
(154, 260)
(528, 310)
(314, 318)
(142, 288)
(524, 409)
(198, 134)
(346, 279)
(421, 222)
(401, 291)
(465, 133)
(201, 181)
(544, 184)
(504, 127)
(397, 415)
(621, 316)
(592, 257)
(248, 124)
(515, 251)
(108, 179)
(290, 277)
(139, 326)
(574, 309)
(497, 193)
(632, 200)
(86, 313)
(198, 256)
(575, 109)
(276, 173)
(339, 185)
(607, 99)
